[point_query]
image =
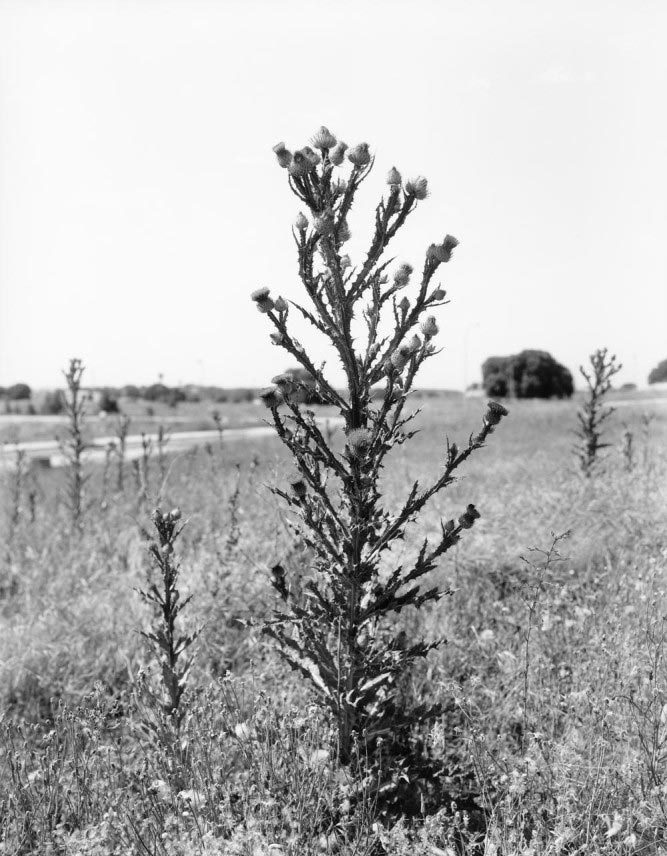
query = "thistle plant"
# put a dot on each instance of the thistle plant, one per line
(593, 413)
(339, 636)
(73, 445)
(166, 641)
(122, 430)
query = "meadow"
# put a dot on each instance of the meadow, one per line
(552, 677)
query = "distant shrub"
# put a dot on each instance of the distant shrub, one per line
(52, 403)
(18, 392)
(628, 387)
(130, 391)
(108, 403)
(155, 392)
(659, 373)
(529, 374)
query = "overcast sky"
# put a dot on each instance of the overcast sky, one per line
(140, 202)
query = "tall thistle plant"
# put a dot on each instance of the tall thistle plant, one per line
(339, 636)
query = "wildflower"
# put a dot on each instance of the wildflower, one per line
(300, 165)
(495, 413)
(359, 442)
(324, 223)
(394, 177)
(468, 517)
(271, 397)
(417, 187)
(401, 357)
(402, 275)
(324, 139)
(337, 154)
(277, 338)
(262, 299)
(175, 514)
(301, 222)
(284, 155)
(281, 305)
(343, 232)
(312, 156)
(359, 155)
(429, 327)
(443, 252)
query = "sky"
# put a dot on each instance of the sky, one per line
(140, 201)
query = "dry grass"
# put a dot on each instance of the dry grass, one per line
(554, 679)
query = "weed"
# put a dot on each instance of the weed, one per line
(593, 413)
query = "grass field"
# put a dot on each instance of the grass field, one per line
(553, 677)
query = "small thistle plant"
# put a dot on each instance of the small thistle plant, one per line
(338, 636)
(593, 413)
(73, 444)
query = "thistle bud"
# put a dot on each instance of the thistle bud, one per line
(300, 165)
(404, 305)
(298, 485)
(175, 514)
(443, 252)
(402, 275)
(429, 327)
(281, 305)
(432, 253)
(345, 262)
(324, 223)
(401, 357)
(343, 232)
(495, 413)
(262, 299)
(448, 527)
(337, 154)
(156, 516)
(359, 442)
(284, 155)
(271, 397)
(468, 517)
(417, 187)
(312, 156)
(323, 139)
(394, 177)
(415, 343)
(277, 338)
(439, 294)
(359, 155)
(301, 222)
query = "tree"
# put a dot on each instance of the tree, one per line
(19, 392)
(529, 374)
(659, 373)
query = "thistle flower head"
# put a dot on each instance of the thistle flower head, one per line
(417, 187)
(415, 343)
(312, 156)
(467, 519)
(429, 327)
(394, 177)
(263, 300)
(359, 155)
(402, 275)
(300, 165)
(281, 305)
(283, 155)
(443, 252)
(337, 154)
(324, 223)
(282, 380)
(323, 139)
(494, 413)
(401, 357)
(343, 232)
(301, 222)
(271, 397)
(359, 442)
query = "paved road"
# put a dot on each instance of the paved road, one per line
(47, 452)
